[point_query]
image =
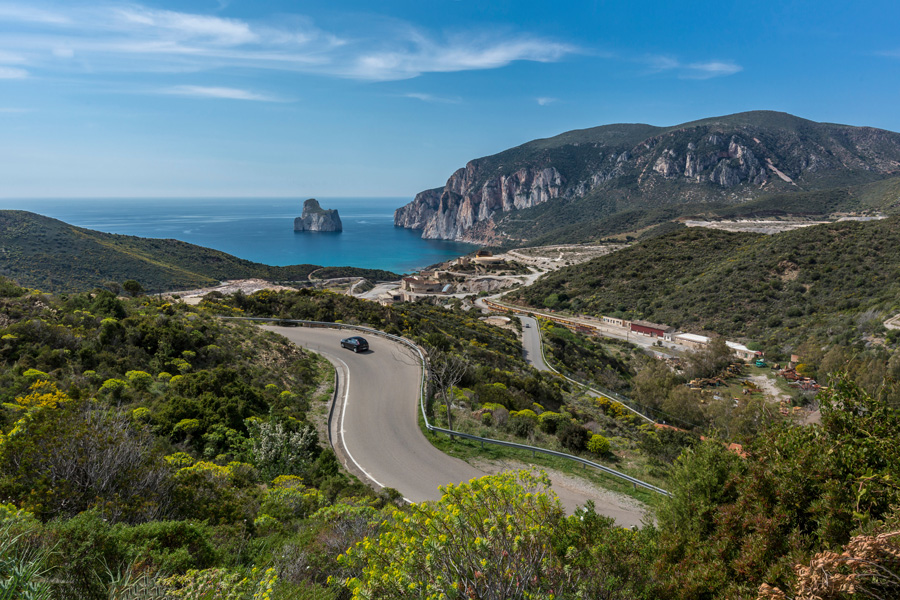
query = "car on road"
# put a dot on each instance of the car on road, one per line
(355, 343)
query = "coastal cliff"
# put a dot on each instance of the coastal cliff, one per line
(316, 218)
(464, 209)
(613, 169)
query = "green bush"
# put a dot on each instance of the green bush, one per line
(549, 421)
(572, 436)
(522, 422)
(598, 445)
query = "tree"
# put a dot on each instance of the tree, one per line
(709, 361)
(653, 383)
(446, 371)
(133, 287)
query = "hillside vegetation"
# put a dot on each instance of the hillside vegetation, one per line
(592, 219)
(837, 282)
(150, 449)
(50, 255)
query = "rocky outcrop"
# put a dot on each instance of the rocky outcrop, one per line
(316, 218)
(731, 159)
(417, 213)
(465, 208)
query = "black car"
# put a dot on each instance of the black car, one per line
(355, 343)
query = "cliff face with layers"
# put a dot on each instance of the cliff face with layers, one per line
(463, 210)
(730, 160)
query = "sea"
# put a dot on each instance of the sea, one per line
(261, 229)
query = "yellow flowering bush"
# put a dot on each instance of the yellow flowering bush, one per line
(489, 538)
(42, 394)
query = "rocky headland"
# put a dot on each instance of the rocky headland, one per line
(316, 218)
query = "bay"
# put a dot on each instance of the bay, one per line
(260, 229)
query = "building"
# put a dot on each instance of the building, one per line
(742, 351)
(390, 297)
(652, 329)
(616, 322)
(486, 257)
(692, 340)
(698, 342)
(421, 285)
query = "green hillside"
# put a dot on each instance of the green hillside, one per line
(837, 281)
(47, 254)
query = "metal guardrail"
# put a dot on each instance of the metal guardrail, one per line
(423, 392)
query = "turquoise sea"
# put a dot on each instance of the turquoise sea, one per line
(261, 230)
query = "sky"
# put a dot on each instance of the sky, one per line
(257, 98)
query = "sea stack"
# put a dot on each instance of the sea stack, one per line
(316, 218)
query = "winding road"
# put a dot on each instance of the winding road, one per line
(375, 429)
(531, 343)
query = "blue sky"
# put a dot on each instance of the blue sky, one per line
(300, 99)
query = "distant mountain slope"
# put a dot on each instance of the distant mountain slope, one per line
(840, 279)
(51, 255)
(587, 176)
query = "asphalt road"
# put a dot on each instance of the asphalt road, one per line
(375, 427)
(531, 343)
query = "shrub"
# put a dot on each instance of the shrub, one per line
(572, 436)
(522, 422)
(476, 538)
(140, 380)
(549, 421)
(289, 499)
(598, 445)
(113, 387)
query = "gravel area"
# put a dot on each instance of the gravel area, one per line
(248, 286)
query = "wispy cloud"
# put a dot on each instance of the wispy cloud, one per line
(419, 54)
(708, 70)
(432, 98)
(694, 70)
(130, 37)
(11, 58)
(197, 91)
(31, 14)
(13, 73)
(545, 100)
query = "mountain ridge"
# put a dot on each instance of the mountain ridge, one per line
(727, 160)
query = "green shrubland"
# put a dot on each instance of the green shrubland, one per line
(151, 449)
(836, 282)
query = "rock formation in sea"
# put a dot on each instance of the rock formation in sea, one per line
(316, 218)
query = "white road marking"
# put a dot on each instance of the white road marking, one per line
(344, 414)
